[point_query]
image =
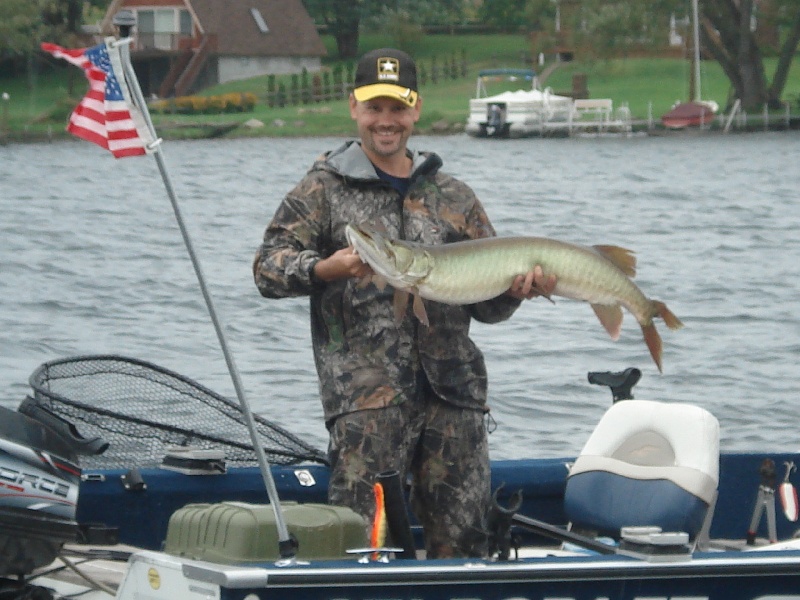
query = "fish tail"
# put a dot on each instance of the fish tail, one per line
(660, 309)
(651, 336)
(653, 341)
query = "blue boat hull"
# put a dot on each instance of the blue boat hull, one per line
(141, 515)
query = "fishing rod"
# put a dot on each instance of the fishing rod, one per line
(287, 546)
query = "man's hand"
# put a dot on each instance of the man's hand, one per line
(532, 284)
(341, 264)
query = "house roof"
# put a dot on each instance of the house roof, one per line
(291, 32)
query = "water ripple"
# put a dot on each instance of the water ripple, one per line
(92, 262)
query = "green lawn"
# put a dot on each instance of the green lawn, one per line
(648, 86)
(33, 102)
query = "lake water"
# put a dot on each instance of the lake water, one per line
(92, 262)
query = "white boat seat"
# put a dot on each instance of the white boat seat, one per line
(646, 464)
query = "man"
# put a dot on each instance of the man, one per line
(396, 396)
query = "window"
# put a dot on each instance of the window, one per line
(145, 21)
(186, 22)
(161, 27)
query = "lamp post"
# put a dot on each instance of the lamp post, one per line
(125, 20)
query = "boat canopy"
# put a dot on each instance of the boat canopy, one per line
(508, 73)
(503, 75)
(522, 97)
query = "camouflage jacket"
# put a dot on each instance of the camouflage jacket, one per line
(363, 357)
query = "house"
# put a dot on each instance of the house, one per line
(180, 46)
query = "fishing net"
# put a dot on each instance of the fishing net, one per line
(141, 410)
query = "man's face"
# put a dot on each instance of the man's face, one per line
(384, 125)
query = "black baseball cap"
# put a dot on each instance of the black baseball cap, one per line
(386, 72)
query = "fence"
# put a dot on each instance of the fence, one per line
(336, 84)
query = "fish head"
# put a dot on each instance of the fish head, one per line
(403, 264)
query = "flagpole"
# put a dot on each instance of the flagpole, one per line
(286, 545)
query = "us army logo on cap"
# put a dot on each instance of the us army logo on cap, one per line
(388, 69)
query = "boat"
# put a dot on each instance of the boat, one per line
(534, 112)
(514, 113)
(696, 112)
(175, 507)
(122, 479)
(690, 114)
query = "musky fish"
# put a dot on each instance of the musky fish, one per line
(477, 270)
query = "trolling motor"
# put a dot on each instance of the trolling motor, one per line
(621, 383)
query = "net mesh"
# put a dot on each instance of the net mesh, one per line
(142, 409)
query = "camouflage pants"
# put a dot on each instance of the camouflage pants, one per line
(444, 450)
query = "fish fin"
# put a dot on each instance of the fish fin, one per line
(653, 341)
(670, 319)
(610, 317)
(419, 310)
(542, 293)
(400, 303)
(623, 259)
(379, 281)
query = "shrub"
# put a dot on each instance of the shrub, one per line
(161, 106)
(216, 104)
(193, 105)
(249, 100)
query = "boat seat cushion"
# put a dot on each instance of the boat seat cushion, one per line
(646, 463)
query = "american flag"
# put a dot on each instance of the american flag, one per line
(106, 115)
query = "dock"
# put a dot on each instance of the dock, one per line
(597, 117)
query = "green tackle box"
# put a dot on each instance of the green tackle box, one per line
(237, 532)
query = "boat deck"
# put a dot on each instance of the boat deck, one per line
(96, 572)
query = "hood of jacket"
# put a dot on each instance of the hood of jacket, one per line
(350, 161)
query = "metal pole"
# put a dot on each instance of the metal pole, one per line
(6, 98)
(696, 20)
(287, 546)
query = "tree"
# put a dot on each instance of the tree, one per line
(613, 29)
(405, 20)
(732, 31)
(26, 23)
(344, 18)
(62, 15)
(728, 34)
(18, 22)
(504, 14)
(21, 29)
